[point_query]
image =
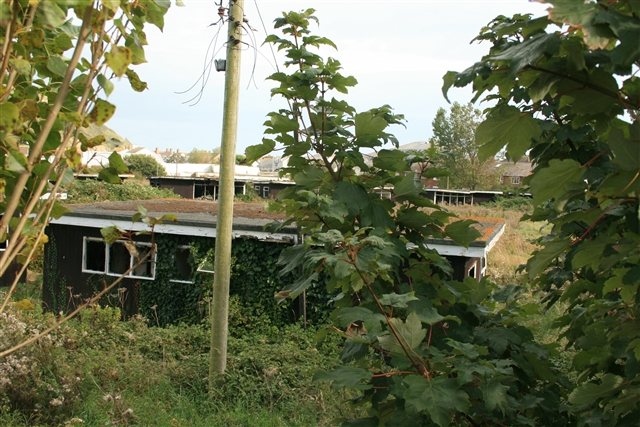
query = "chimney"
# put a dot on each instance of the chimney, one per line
(157, 150)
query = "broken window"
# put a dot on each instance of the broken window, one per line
(115, 259)
(182, 259)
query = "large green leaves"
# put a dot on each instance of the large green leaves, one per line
(555, 181)
(439, 397)
(507, 126)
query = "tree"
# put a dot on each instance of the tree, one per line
(454, 136)
(430, 350)
(569, 93)
(204, 156)
(145, 165)
(55, 75)
(175, 158)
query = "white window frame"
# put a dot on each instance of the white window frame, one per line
(515, 180)
(107, 254)
(265, 191)
(181, 247)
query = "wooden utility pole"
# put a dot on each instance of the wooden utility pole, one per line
(224, 224)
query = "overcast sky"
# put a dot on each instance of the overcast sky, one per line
(397, 50)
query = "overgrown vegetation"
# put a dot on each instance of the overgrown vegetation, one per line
(143, 165)
(98, 370)
(568, 93)
(92, 191)
(422, 349)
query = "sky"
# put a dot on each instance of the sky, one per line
(397, 50)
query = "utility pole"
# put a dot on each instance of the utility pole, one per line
(224, 223)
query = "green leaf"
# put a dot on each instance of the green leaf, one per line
(9, 116)
(448, 79)
(345, 376)
(462, 232)
(409, 185)
(410, 333)
(527, 52)
(399, 301)
(590, 393)
(21, 66)
(438, 397)
(112, 233)
(282, 124)
(392, 160)
(552, 182)
(116, 162)
(50, 14)
(369, 126)
(508, 126)
(109, 175)
(310, 177)
(541, 260)
(254, 152)
(352, 195)
(57, 65)
(430, 316)
(16, 162)
(626, 151)
(58, 210)
(119, 59)
(101, 113)
(135, 82)
(495, 395)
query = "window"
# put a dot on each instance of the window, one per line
(515, 180)
(182, 259)
(257, 188)
(265, 191)
(115, 259)
(472, 272)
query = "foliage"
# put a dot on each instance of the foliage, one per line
(454, 136)
(145, 165)
(254, 280)
(511, 202)
(109, 372)
(568, 92)
(92, 191)
(204, 156)
(55, 76)
(176, 158)
(421, 349)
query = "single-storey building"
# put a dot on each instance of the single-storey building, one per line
(171, 285)
(202, 187)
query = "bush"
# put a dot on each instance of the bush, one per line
(92, 191)
(145, 165)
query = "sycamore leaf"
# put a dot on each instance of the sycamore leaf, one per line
(590, 393)
(438, 397)
(352, 195)
(626, 151)
(345, 376)
(411, 333)
(396, 300)
(541, 260)
(527, 52)
(552, 182)
(495, 395)
(462, 233)
(254, 152)
(507, 127)
(430, 316)
(368, 126)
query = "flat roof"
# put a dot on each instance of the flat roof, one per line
(199, 218)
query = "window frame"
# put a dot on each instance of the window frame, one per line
(265, 191)
(182, 247)
(107, 259)
(515, 180)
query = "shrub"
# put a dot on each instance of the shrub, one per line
(145, 165)
(92, 191)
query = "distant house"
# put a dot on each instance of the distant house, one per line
(514, 173)
(78, 262)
